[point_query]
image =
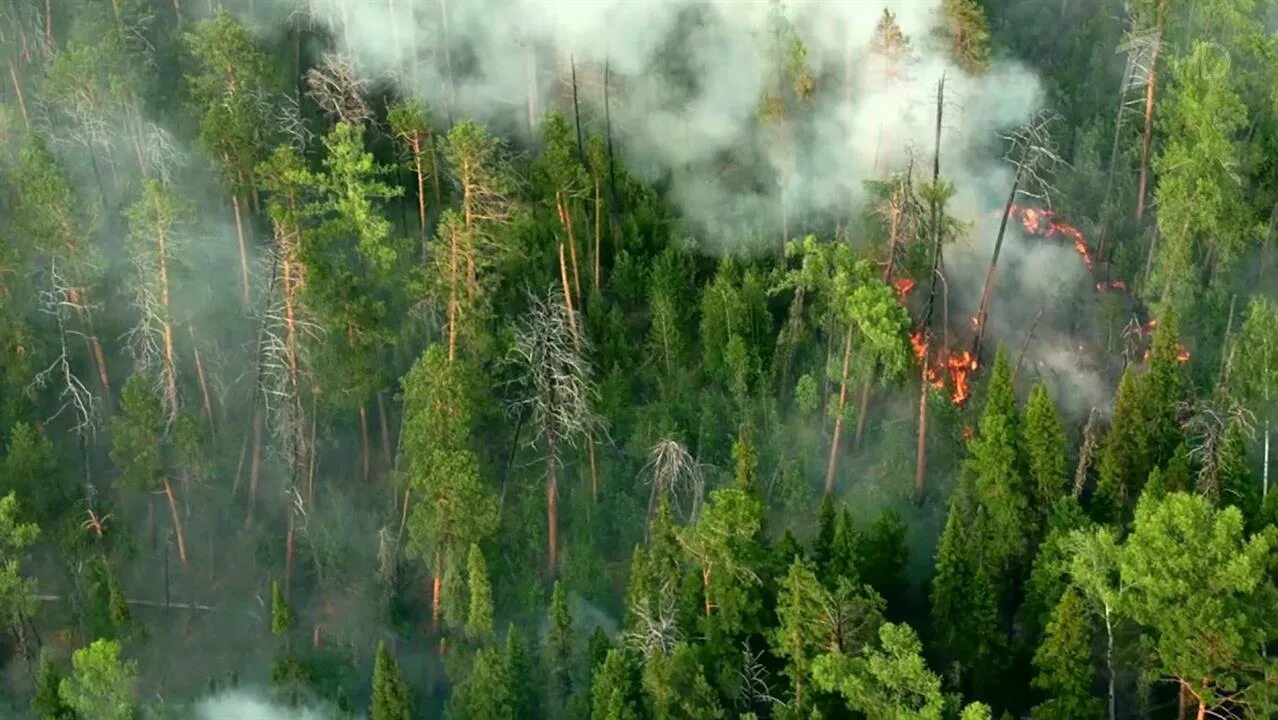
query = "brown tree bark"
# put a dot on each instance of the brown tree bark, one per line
(552, 508)
(177, 519)
(436, 591)
(572, 315)
(416, 141)
(17, 89)
(1150, 83)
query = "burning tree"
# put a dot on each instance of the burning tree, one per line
(1033, 153)
(556, 390)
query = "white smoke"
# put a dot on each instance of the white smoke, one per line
(239, 705)
(686, 79)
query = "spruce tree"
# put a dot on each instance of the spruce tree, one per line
(523, 676)
(823, 543)
(612, 690)
(559, 649)
(479, 620)
(485, 693)
(1045, 450)
(883, 557)
(1125, 458)
(1064, 664)
(391, 695)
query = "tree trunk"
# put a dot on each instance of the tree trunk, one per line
(1150, 82)
(920, 454)
(363, 436)
(162, 269)
(177, 519)
(1106, 205)
(934, 206)
(552, 507)
(565, 219)
(199, 373)
(421, 190)
(239, 235)
(832, 464)
(436, 591)
(288, 555)
(17, 89)
(861, 412)
(594, 469)
(453, 300)
(1109, 664)
(1264, 471)
(983, 313)
(598, 232)
(572, 317)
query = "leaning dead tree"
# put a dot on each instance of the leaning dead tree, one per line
(556, 392)
(1087, 452)
(338, 90)
(60, 301)
(672, 472)
(1032, 151)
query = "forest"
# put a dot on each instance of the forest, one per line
(618, 360)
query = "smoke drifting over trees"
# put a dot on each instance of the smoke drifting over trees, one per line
(673, 359)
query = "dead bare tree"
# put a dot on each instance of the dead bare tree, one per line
(1032, 152)
(59, 301)
(1138, 46)
(654, 631)
(556, 390)
(338, 90)
(672, 472)
(1206, 425)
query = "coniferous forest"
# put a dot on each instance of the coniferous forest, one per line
(638, 360)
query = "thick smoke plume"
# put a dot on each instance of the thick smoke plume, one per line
(686, 81)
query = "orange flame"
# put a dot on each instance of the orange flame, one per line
(903, 286)
(954, 367)
(1111, 285)
(1041, 222)
(968, 432)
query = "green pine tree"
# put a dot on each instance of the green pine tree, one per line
(523, 675)
(1045, 450)
(1064, 665)
(392, 698)
(559, 649)
(479, 619)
